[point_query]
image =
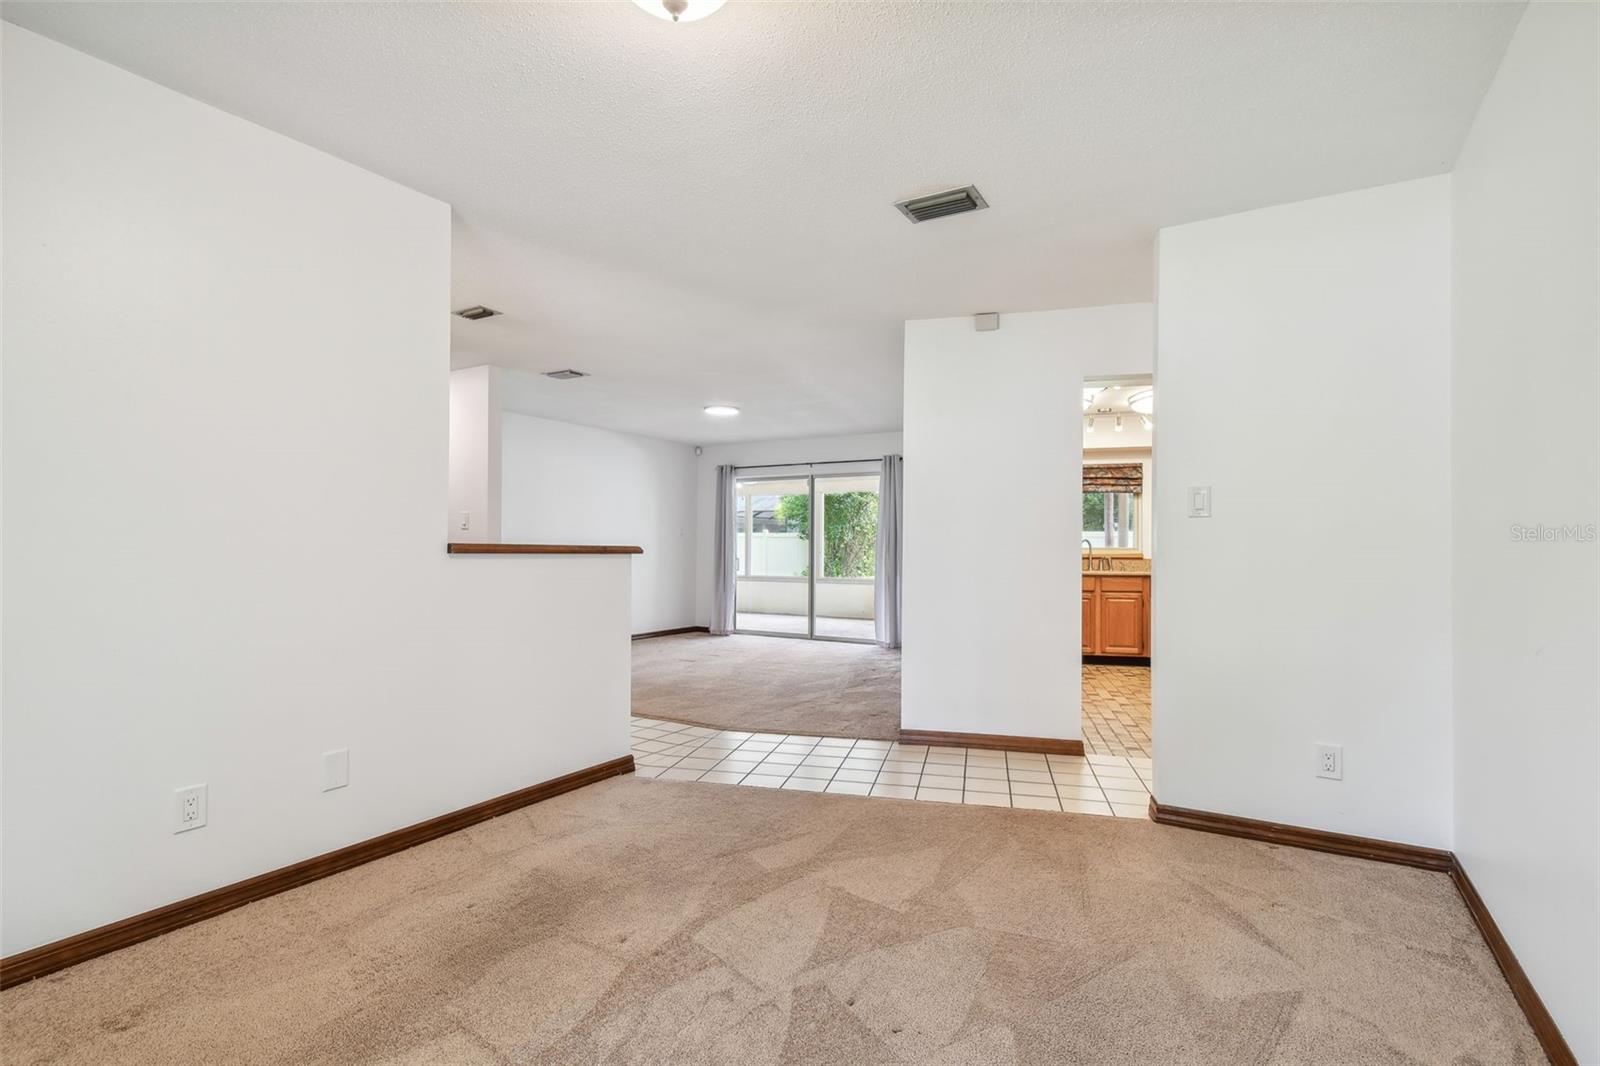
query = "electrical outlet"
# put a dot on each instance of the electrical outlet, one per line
(335, 769)
(189, 808)
(1330, 761)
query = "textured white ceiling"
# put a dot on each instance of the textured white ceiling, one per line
(701, 213)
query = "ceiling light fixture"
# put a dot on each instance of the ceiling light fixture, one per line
(1118, 424)
(1145, 421)
(721, 410)
(1143, 402)
(1088, 424)
(680, 10)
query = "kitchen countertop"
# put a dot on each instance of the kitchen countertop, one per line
(1117, 573)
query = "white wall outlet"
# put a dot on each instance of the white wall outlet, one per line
(335, 769)
(1330, 761)
(189, 808)
(1200, 501)
(464, 520)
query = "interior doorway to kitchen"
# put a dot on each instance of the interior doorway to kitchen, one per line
(1118, 552)
(806, 549)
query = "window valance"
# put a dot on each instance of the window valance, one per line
(1113, 477)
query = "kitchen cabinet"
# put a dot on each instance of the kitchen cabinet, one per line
(1089, 617)
(1116, 614)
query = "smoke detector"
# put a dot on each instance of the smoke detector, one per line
(472, 314)
(565, 375)
(940, 204)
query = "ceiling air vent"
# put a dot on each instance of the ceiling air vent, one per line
(472, 314)
(940, 204)
(565, 375)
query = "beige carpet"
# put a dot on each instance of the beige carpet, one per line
(662, 922)
(769, 684)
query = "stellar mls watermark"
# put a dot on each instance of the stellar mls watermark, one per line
(1571, 533)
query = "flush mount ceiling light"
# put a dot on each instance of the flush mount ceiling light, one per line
(1142, 402)
(472, 314)
(721, 410)
(680, 10)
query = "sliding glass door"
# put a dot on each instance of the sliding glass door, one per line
(773, 591)
(806, 549)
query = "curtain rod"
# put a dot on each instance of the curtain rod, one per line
(826, 462)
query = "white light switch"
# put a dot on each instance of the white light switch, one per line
(1200, 501)
(464, 521)
(335, 769)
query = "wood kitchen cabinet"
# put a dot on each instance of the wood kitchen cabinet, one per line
(1116, 614)
(1089, 616)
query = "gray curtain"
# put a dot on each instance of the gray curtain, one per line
(725, 563)
(887, 599)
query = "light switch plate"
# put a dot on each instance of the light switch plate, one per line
(1200, 501)
(335, 769)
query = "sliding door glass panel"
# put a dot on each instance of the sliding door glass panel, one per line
(844, 545)
(772, 593)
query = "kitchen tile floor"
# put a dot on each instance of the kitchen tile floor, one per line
(1112, 785)
(1116, 710)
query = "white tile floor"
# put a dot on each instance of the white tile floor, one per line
(1094, 784)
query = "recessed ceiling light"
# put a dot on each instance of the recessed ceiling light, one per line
(680, 10)
(721, 410)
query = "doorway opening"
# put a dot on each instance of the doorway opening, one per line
(805, 554)
(1118, 553)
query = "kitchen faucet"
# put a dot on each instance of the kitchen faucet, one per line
(1087, 543)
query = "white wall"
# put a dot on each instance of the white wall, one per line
(1525, 610)
(475, 456)
(1314, 606)
(222, 547)
(568, 484)
(873, 446)
(989, 647)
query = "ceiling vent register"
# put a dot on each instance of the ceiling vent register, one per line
(941, 204)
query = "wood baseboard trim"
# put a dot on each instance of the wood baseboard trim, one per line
(48, 958)
(671, 632)
(1300, 837)
(1040, 745)
(1544, 1026)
